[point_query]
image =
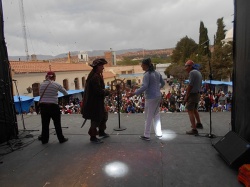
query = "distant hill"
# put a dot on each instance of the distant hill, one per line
(73, 53)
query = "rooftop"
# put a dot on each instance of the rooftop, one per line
(36, 67)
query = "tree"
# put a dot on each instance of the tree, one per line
(221, 60)
(203, 41)
(220, 33)
(177, 71)
(204, 53)
(183, 50)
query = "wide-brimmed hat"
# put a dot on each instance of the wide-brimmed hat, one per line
(98, 61)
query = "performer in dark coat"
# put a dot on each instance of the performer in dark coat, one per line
(93, 107)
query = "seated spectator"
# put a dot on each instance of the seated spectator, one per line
(182, 107)
(172, 108)
(130, 109)
(215, 106)
(201, 105)
(229, 106)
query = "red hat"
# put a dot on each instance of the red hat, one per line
(189, 62)
(50, 74)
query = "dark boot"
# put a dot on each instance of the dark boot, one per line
(102, 134)
(95, 140)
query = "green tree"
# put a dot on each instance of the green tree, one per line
(183, 50)
(204, 53)
(221, 60)
(220, 33)
(177, 71)
(203, 41)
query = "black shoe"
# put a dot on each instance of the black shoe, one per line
(103, 135)
(144, 138)
(64, 140)
(96, 140)
(199, 126)
(192, 132)
(44, 142)
(40, 137)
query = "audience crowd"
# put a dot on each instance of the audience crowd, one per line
(172, 101)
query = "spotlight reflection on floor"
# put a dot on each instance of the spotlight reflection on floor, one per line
(168, 135)
(116, 169)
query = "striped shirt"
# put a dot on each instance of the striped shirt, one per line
(51, 93)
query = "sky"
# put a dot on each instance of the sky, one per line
(54, 27)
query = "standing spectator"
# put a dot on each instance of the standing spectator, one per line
(192, 97)
(151, 85)
(50, 108)
(207, 102)
(93, 101)
(222, 101)
(168, 95)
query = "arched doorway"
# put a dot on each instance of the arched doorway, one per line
(66, 84)
(76, 81)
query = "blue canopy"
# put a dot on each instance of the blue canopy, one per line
(70, 92)
(23, 103)
(214, 82)
(187, 81)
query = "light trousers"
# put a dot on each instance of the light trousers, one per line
(152, 115)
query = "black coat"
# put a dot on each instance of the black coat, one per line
(93, 99)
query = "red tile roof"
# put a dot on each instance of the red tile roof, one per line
(36, 67)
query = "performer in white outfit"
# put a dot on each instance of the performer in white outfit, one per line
(151, 85)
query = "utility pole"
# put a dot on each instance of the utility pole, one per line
(24, 29)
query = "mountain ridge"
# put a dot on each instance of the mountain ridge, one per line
(93, 53)
(73, 53)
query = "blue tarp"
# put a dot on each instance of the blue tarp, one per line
(187, 81)
(25, 103)
(214, 82)
(70, 92)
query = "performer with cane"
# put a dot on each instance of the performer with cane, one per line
(93, 101)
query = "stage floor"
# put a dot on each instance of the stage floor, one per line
(123, 159)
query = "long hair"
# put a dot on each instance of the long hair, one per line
(147, 61)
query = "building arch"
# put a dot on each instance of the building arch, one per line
(66, 84)
(35, 89)
(76, 81)
(83, 82)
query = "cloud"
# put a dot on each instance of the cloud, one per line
(55, 27)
